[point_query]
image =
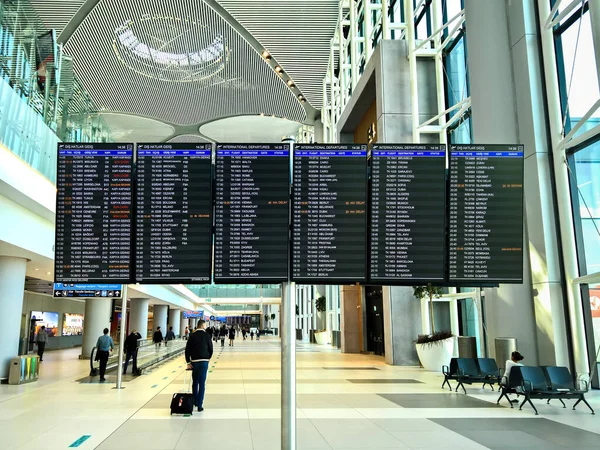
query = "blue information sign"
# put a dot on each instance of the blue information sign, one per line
(88, 290)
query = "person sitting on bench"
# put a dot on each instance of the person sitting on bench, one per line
(515, 360)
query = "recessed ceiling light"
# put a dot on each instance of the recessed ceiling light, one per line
(290, 83)
(278, 69)
(37, 269)
(266, 54)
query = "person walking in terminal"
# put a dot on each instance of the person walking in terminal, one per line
(244, 334)
(41, 340)
(170, 336)
(104, 346)
(157, 338)
(186, 333)
(252, 334)
(223, 335)
(198, 351)
(131, 345)
(231, 336)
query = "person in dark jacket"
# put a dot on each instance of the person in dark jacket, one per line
(231, 336)
(198, 351)
(170, 336)
(131, 345)
(223, 335)
(157, 337)
(41, 340)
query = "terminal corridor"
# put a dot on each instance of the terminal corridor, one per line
(344, 402)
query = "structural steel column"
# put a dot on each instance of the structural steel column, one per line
(570, 263)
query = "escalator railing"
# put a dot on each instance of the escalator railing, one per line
(147, 354)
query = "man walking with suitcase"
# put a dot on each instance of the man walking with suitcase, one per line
(198, 351)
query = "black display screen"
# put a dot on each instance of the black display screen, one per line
(486, 214)
(407, 206)
(329, 214)
(93, 213)
(252, 213)
(173, 213)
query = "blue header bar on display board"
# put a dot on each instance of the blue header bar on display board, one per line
(331, 153)
(409, 153)
(253, 152)
(92, 152)
(174, 153)
(193, 314)
(487, 154)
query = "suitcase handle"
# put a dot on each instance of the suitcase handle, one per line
(189, 382)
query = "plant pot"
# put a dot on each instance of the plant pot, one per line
(322, 337)
(435, 355)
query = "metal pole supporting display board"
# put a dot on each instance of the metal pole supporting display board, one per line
(122, 337)
(288, 367)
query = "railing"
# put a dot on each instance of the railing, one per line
(146, 355)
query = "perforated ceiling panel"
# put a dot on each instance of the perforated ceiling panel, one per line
(296, 32)
(180, 62)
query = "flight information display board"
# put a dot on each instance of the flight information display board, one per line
(407, 206)
(93, 213)
(329, 214)
(252, 213)
(173, 213)
(486, 214)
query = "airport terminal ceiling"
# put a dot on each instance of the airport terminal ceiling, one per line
(187, 63)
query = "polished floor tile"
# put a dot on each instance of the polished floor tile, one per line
(344, 401)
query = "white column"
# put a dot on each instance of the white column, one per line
(96, 319)
(174, 320)
(183, 323)
(138, 319)
(12, 282)
(160, 318)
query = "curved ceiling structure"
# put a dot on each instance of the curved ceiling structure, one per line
(253, 129)
(188, 138)
(191, 62)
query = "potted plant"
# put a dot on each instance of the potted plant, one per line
(321, 336)
(435, 350)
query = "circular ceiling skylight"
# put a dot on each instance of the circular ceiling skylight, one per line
(170, 49)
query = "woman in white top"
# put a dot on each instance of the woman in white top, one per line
(515, 360)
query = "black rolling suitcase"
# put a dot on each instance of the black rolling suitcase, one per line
(183, 402)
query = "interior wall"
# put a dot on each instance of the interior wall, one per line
(361, 133)
(44, 303)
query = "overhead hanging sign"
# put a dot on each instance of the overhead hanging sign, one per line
(88, 290)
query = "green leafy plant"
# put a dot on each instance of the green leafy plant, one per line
(321, 304)
(434, 338)
(430, 292)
